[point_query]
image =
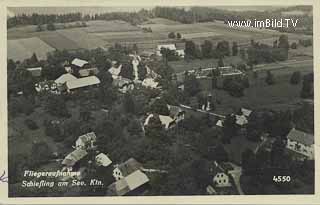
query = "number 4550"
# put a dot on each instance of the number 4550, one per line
(281, 178)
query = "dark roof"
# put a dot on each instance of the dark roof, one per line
(301, 137)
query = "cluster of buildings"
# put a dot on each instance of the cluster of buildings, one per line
(129, 176)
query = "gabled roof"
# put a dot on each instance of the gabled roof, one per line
(103, 160)
(86, 138)
(74, 157)
(136, 179)
(301, 137)
(168, 46)
(219, 123)
(83, 82)
(246, 112)
(131, 182)
(36, 72)
(165, 120)
(129, 166)
(65, 78)
(78, 62)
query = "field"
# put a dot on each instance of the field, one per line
(106, 33)
(280, 96)
(21, 49)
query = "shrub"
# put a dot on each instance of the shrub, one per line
(31, 124)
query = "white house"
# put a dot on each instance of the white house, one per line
(167, 46)
(82, 82)
(301, 143)
(35, 72)
(166, 121)
(220, 178)
(79, 62)
(103, 160)
(246, 112)
(150, 82)
(115, 71)
(86, 140)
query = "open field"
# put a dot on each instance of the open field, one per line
(162, 21)
(21, 49)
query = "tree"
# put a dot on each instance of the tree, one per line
(283, 45)
(220, 62)
(206, 49)
(234, 87)
(270, 78)
(40, 153)
(179, 36)
(33, 60)
(307, 86)
(171, 35)
(223, 49)
(129, 104)
(191, 85)
(39, 28)
(127, 71)
(190, 49)
(295, 78)
(160, 107)
(56, 105)
(234, 48)
(229, 128)
(142, 71)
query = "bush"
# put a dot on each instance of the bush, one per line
(171, 35)
(293, 45)
(32, 125)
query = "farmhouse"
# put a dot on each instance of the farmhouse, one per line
(86, 141)
(115, 71)
(79, 62)
(64, 78)
(133, 184)
(103, 160)
(82, 83)
(166, 121)
(126, 168)
(301, 143)
(74, 157)
(35, 72)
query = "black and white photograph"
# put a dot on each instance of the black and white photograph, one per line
(160, 100)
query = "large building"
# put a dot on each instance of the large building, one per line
(301, 143)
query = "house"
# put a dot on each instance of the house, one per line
(103, 160)
(176, 113)
(241, 120)
(166, 46)
(301, 143)
(88, 71)
(85, 141)
(134, 182)
(220, 176)
(115, 71)
(146, 54)
(180, 53)
(82, 83)
(74, 157)
(126, 168)
(150, 82)
(166, 121)
(219, 123)
(246, 112)
(64, 78)
(35, 72)
(123, 84)
(79, 62)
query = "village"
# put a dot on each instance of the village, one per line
(141, 125)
